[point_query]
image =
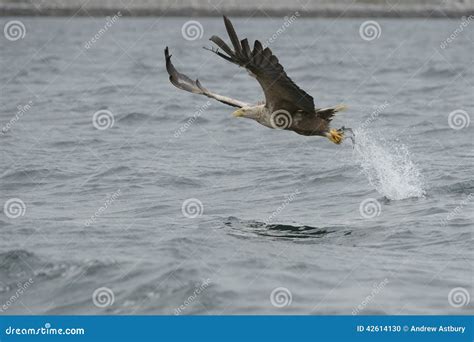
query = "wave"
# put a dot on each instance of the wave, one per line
(181, 181)
(22, 263)
(332, 178)
(141, 67)
(139, 117)
(109, 172)
(134, 117)
(441, 71)
(48, 59)
(23, 175)
(172, 107)
(463, 187)
(64, 143)
(26, 177)
(44, 68)
(15, 257)
(17, 264)
(112, 89)
(198, 119)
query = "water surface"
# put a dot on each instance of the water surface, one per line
(279, 210)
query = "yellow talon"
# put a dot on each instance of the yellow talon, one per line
(335, 135)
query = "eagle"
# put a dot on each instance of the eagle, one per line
(286, 105)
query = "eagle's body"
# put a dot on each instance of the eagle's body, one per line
(286, 105)
(298, 121)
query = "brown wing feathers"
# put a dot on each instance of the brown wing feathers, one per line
(280, 91)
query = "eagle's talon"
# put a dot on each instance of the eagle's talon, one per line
(336, 135)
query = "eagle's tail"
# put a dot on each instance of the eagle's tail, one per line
(328, 113)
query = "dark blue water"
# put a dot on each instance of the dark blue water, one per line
(179, 208)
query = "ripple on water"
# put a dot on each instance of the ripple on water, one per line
(250, 228)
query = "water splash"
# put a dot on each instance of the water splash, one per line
(388, 166)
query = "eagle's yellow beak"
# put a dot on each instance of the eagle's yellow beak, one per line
(238, 113)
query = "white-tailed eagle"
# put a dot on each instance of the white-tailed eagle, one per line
(286, 105)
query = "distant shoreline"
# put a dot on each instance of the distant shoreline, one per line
(331, 11)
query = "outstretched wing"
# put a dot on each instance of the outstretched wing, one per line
(280, 91)
(182, 81)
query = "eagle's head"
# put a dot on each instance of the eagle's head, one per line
(253, 112)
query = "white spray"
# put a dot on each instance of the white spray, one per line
(387, 166)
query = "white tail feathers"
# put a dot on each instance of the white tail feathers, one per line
(328, 113)
(340, 108)
(334, 109)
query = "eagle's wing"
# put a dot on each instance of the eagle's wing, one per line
(280, 91)
(182, 81)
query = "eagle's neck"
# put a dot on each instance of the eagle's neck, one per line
(263, 115)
